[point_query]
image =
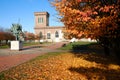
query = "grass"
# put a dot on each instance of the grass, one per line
(70, 46)
(66, 66)
(24, 44)
(30, 43)
(35, 43)
(4, 47)
(48, 55)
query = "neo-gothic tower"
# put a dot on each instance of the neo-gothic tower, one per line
(41, 19)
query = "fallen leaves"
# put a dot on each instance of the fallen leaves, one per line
(65, 67)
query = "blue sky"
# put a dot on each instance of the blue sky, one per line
(22, 11)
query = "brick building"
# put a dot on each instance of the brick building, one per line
(46, 32)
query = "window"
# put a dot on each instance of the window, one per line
(40, 20)
(41, 36)
(48, 36)
(56, 34)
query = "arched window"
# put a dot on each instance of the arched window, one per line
(48, 36)
(56, 34)
(41, 36)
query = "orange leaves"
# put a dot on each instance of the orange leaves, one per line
(2, 37)
(30, 36)
(89, 16)
(37, 37)
(6, 36)
(79, 0)
(66, 66)
(106, 8)
(95, 13)
(83, 0)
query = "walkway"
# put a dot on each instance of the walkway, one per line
(10, 58)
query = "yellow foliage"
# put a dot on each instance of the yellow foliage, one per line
(67, 66)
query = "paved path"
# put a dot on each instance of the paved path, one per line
(10, 58)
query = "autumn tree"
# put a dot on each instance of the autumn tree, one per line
(37, 37)
(97, 19)
(5, 35)
(29, 36)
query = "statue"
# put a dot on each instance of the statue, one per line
(16, 29)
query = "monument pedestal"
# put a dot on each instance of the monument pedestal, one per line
(16, 45)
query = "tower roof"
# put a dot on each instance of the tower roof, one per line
(41, 13)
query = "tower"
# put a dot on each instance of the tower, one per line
(41, 19)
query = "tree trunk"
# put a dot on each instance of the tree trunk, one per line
(106, 51)
(6, 42)
(0, 42)
(104, 41)
(117, 53)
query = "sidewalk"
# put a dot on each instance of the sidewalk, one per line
(10, 58)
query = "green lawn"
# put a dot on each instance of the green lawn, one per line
(4, 47)
(70, 45)
(25, 44)
(31, 43)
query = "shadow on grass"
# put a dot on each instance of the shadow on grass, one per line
(97, 73)
(93, 52)
(92, 47)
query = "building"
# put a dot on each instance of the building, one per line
(46, 32)
(51, 33)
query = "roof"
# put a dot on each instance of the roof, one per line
(41, 13)
(52, 27)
